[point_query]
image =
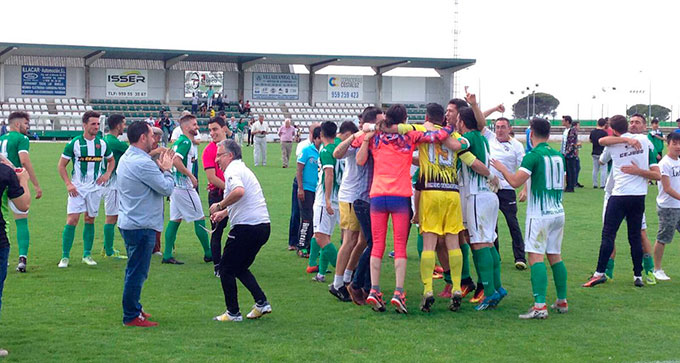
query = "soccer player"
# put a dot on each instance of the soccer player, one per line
(667, 202)
(218, 132)
(84, 187)
(14, 146)
(326, 204)
(544, 166)
(631, 168)
(656, 137)
(116, 123)
(307, 177)
(347, 194)
(184, 201)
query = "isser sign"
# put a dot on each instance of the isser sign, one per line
(127, 83)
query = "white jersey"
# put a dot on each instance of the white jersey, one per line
(510, 153)
(251, 209)
(623, 154)
(353, 177)
(671, 169)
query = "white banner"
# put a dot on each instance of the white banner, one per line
(200, 82)
(276, 86)
(345, 88)
(127, 83)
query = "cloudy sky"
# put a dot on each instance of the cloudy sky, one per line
(571, 49)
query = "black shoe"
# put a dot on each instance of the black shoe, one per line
(601, 187)
(21, 267)
(172, 261)
(456, 299)
(426, 304)
(342, 294)
(594, 187)
(569, 190)
(579, 185)
(638, 282)
(207, 259)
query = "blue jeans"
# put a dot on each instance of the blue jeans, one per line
(4, 255)
(294, 225)
(362, 275)
(139, 245)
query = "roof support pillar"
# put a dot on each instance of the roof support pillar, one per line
(2, 82)
(311, 87)
(379, 98)
(240, 92)
(87, 84)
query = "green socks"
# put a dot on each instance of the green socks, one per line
(465, 248)
(647, 263)
(419, 244)
(170, 236)
(610, 269)
(485, 266)
(67, 240)
(539, 282)
(313, 253)
(447, 277)
(109, 231)
(560, 277)
(88, 239)
(329, 254)
(202, 234)
(496, 268)
(22, 235)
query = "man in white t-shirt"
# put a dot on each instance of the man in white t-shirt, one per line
(667, 202)
(510, 153)
(633, 164)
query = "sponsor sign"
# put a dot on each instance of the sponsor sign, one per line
(39, 80)
(127, 83)
(276, 86)
(345, 88)
(200, 82)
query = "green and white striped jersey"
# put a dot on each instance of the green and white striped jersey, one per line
(87, 157)
(472, 182)
(186, 150)
(546, 167)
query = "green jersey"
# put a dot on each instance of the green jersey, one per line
(474, 183)
(326, 160)
(87, 157)
(13, 143)
(117, 147)
(546, 167)
(187, 151)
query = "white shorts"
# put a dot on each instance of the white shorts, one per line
(481, 214)
(324, 222)
(15, 209)
(85, 202)
(111, 201)
(544, 235)
(604, 209)
(463, 204)
(185, 205)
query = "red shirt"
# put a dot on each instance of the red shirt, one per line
(209, 162)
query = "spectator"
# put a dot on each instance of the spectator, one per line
(678, 123)
(210, 94)
(212, 112)
(246, 107)
(286, 133)
(194, 103)
(219, 103)
(569, 140)
(241, 107)
(250, 130)
(528, 146)
(577, 126)
(595, 136)
(243, 129)
(203, 109)
(656, 137)
(260, 129)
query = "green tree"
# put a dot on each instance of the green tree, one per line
(658, 111)
(545, 105)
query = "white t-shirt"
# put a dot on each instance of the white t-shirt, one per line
(671, 169)
(251, 209)
(510, 153)
(624, 154)
(353, 177)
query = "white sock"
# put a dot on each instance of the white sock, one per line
(598, 274)
(539, 306)
(337, 281)
(347, 277)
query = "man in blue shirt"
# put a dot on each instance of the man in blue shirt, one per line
(307, 178)
(529, 146)
(142, 185)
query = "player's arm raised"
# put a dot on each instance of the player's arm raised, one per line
(26, 162)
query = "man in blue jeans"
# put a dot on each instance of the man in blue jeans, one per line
(15, 181)
(142, 185)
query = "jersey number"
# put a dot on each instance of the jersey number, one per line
(440, 154)
(554, 172)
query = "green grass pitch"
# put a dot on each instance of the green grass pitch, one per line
(74, 314)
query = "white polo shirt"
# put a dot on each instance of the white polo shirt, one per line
(510, 153)
(624, 154)
(251, 209)
(257, 126)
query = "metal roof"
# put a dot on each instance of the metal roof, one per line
(380, 64)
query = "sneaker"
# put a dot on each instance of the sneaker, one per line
(391, 254)
(501, 292)
(116, 255)
(594, 280)
(535, 313)
(426, 303)
(141, 322)
(340, 293)
(319, 278)
(144, 314)
(468, 288)
(520, 265)
(172, 261)
(560, 307)
(437, 276)
(259, 310)
(456, 299)
(217, 271)
(446, 293)
(357, 295)
(89, 261)
(207, 259)
(637, 281)
(303, 253)
(158, 253)
(399, 302)
(661, 275)
(312, 269)
(21, 267)
(228, 317)
(438, 269)
(3, 353)
(649, 278)
(376, 301)
(63, 263)
(487, 303)
(291, 248)
(478, 296)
